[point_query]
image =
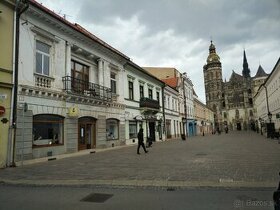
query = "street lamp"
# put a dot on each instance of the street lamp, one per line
(269, 116)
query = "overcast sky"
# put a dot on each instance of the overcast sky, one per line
(177, 33)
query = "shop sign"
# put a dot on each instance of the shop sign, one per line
(3, 97)
(73, 111)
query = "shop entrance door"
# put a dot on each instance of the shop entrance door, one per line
(86, 134)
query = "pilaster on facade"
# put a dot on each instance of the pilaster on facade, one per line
(72, 79)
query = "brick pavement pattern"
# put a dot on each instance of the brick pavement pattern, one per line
(244, 159)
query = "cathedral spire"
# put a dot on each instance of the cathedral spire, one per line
(246, 70)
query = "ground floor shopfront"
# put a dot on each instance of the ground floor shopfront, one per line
(48, 127)
(152, 125)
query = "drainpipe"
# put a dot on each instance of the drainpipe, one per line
(163, 107)
(185, 108)
(19, 12)
(266, 99)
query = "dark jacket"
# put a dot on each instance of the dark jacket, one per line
(140, 137)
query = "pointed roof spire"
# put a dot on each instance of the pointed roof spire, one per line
(246, 70)
(260, 72)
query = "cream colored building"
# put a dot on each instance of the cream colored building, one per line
(204, 117)
(6, 74)
(267, 99)
(184, 85)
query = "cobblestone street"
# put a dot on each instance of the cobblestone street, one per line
(244, 159)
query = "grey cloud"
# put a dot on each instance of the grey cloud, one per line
(197, 19)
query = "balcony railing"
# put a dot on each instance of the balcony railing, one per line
(43, 81)
(149, 103)
(88, 89)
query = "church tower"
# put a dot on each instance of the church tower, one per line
(213, 82)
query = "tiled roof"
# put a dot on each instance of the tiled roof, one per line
(172, 82)
(77, 27)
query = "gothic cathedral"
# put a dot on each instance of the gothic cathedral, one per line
(232, 101)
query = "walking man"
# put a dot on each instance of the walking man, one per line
(140, 137)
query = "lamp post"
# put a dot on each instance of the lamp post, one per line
(269, 115)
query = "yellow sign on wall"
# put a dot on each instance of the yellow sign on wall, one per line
(73, 111)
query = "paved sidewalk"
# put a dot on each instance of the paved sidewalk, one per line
(237, 159)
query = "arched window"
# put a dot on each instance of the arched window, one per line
(112, 129)
(47, 130)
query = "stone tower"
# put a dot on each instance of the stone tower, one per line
(212, 71)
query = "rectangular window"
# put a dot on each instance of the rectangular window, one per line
(158, 96)
(42, 58)
(132, 129)
(47, 130)
(150, 91)
(112, 129)
(130, 90)
(80, 76)
(113, 83)
(141, 89)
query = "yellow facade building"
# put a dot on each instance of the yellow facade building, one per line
(6, 74)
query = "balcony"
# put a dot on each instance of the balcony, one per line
(43, 81)
(148, 103)
(86, 89)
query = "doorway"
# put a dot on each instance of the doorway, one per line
(238, 126)
(86, 133)
(152, 131)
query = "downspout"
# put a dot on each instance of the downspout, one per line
(163, 107)
(266, 99)
(11, 131)
(19, 12)
(185, 108)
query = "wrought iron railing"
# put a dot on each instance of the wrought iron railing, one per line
(149, 103)
(88, 89)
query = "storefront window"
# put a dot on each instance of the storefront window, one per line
(112, 129)
(132, 129)
(47, 130)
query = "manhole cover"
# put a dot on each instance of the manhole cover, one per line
(200, 154)
(97, 197)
